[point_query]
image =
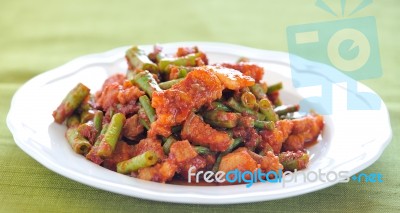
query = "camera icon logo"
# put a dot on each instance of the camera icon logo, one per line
(348, 48)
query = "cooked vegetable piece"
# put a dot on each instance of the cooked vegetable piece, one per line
(248, 100)
(101, 135)
(201, 150)
(259, 90)
(285, 109)
(143, 119)
(219, 118)
(146, 159)
(73, 121)
(98, 121)
(111, 137)
(78, 143)
(145, 101)
(168, 84)
(137, 59)
(167, 144)
(219, 106)
(187, 60)
(270, 125)
(266, 108)
(274, 88)
(146, 82)
(232, 103)
(70, 103)
(294, 160)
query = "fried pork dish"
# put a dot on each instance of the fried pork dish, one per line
(171, 113)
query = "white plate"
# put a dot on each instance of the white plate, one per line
(352, 140)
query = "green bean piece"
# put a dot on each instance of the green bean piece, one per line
(270, 125)
(110, 139)
(188, 60)
(278, 102)
(182, 70)
(137, 58)
(87, 116)
(219, 106)
(143, 119)
(248, 100)
(147, 159)
(168, 84)
(259, 90)
(70, 103)
(130, 74)
(98, 120)
(168, 143)
(146, 82)
(234, 144)
(274, 87)
(78, 143)
(73, 121)
(285, 109)
(148, 109)
(219, 118)
(101, 135)
(265, 107)
(232, 103)
(293, 160)
(201, 150)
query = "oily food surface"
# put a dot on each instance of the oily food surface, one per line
(173, 115)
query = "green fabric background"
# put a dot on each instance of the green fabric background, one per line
(38, 35)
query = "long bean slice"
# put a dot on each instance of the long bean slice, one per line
(146, 82)
(73, 121)
(275, 87)
(232, 103)
(293, 160)
(169, 84)
(167, 144)
(221, 118)
(78, 143)
(108, 143)
(219, 106)
(266, 108)
(144, 160)
(264, 125)
(248, 100)
(188, 60)
(285, 109)
(259, 90)
(98, 121)
(148, 109)
(101, 135)
(201, 150)
(70, 103)
(137, 58)
(143, 119)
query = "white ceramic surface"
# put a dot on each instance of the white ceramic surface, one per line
(352, 140)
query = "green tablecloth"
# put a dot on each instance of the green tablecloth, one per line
(36, 36)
